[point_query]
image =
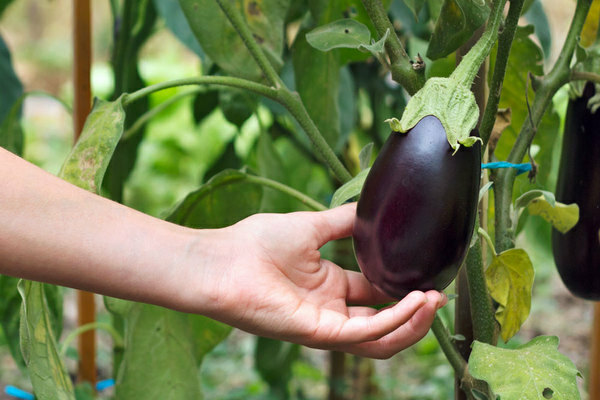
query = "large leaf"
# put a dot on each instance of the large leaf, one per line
(270, 165)
(159, 361)
(10, 313)
(526, 56)
(224, 200)
(458, 20)
(11, 132)
(47, 372)
(171, 12)
(317, 76)
(563, 217)
(88, 161)
(12, 90)
(538, 18)
(273, 359)
(533, 371)
(509, 279)
(591, 25)
(350, 189)
(221, 42)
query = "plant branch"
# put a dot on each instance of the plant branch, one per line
(402, 70)
(505, 40)
(116, 336)
(147, 116)
(457, 362)
(549, 85)
(585, 76)
(307, 200)
(236, 19)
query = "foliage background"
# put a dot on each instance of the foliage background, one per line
(177, 155)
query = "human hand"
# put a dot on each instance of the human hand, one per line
(266, 276)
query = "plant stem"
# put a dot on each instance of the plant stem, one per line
(549, 85)
(465, 71)
(117, 339)
(141, 121)
(307, 200)
(203, 80)
(402, 70)
(293, 103)
(457, 362)
(236, 19)
(585, 76)
(505, 40)
(482, 310)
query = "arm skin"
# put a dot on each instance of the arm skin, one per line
(264, 275)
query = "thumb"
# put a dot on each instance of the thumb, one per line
(333, 224)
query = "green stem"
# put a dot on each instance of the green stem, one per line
(204, 80)
(117, 339)
(457, 362)
(482, 310)
(467, 69)
(307, 200)
(505, 40)
(293, 103)
(549, 85)
(585, 76)
(402, 70)
(488, 239)
(141, 121)
(236, 19)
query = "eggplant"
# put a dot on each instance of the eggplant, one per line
(577, 252)
(416, 212)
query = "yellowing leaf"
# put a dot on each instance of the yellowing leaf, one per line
(590, 27)
(510, 280)
(563, 217)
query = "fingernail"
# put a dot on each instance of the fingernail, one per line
(442, 299)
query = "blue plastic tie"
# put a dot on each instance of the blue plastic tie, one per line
(105, 384)
(18, 393)
(521, 168)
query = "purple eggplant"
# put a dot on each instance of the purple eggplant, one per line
(416, 212)
(577, 252)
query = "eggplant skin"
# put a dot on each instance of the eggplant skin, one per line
(416, 212)
(577, 252)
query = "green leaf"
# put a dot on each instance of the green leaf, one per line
(525, 199)
(526, 372)
(89, 158)
(563, 217)
(10, 314)
(273, 359)
(222, 201)
(537, 16)
(364, 157)
(159, 361)
(349, 189)
(171, 12)
(237, 105)
(10, 102)
(343, 33)
(317, 76)
(47, 372)
(509, 279)
(204, 104)
(206, 334)
(221, 42)
(458, 20)
(270, 166)
(415, 6)
(11, 132)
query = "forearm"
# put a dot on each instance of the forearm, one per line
(54, 232)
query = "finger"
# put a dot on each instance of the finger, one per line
(361, 291)
(366, 328)
(332, 224)
(405, 336)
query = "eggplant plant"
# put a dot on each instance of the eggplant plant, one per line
(324, 83)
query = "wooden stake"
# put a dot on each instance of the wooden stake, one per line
(82, 50)
(595, 356)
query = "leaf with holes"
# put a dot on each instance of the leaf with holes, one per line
(533, 371)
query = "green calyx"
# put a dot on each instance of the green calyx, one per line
(450, 99)
(450, 102)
